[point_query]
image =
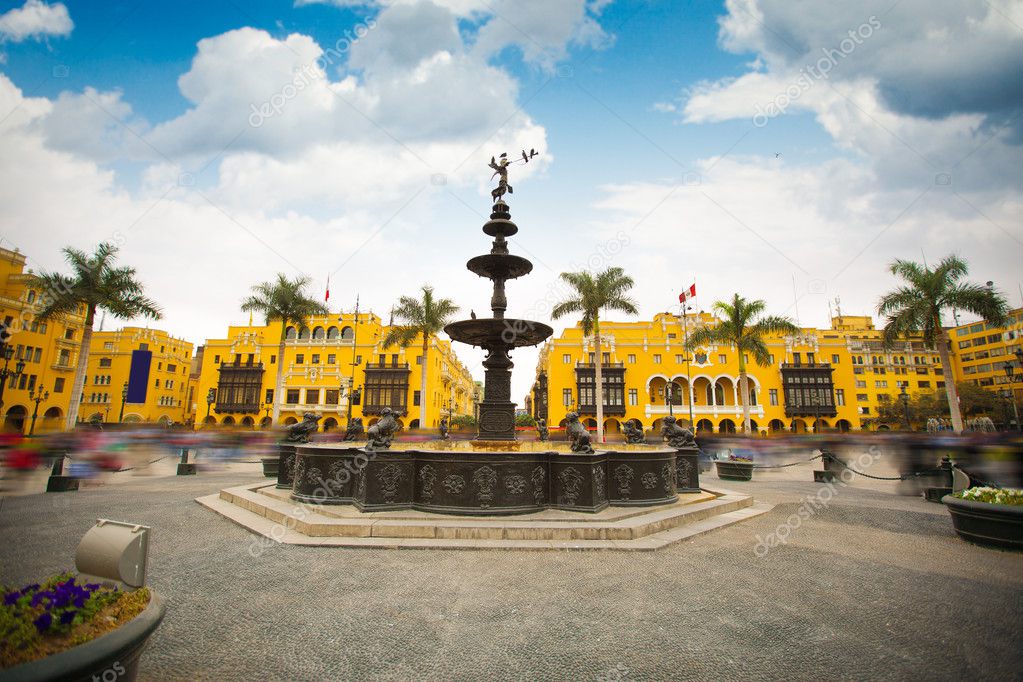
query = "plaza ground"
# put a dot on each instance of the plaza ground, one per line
(873, 585)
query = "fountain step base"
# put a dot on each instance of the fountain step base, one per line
(269, 513)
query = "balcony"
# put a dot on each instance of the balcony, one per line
(386, 365)
(609, 410)
(806, 365)
(603, 365)
(704, 410)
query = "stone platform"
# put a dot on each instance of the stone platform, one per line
(268, 511)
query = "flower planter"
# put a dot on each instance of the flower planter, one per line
(271, 466)
(113, 656)
(997, 525)
(734, 471)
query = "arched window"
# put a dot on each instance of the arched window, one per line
(318, 333)
(719, 394)
(332, 333)
(752, 394)
(31, 296)
(347, 334)
(290, 333)
(303, 333)
(710, 394)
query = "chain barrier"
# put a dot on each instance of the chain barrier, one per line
(902, 477)
(782, 466)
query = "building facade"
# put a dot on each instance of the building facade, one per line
(337, 367)
(137, 375)
(38, 398)
(980, 352)
(834, 379)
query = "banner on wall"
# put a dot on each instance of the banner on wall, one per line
(138, 377)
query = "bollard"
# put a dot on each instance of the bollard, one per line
(935, 493)
(58, 482)
(185, 468)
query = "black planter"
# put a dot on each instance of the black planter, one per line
(113, 656)
(997, 525)
(734, 471)
(687, 470)
(271, 466)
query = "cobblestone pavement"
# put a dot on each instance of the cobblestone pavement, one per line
(871, 585)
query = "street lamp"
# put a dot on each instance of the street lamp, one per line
(6, 373)
(904, 397)
(37, 398)
(211, 397)
(669, 397)
(1009, 370)
(124, 399)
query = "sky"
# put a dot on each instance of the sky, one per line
(782, 150)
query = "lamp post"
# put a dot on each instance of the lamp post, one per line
(37, 398)
(211, 397)
(1009, 370)
(267, 409)
(669, 397)
(904, 397)
(124, 398)
(7, 373)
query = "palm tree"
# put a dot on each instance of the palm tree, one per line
(283, 300)
(916, 307)
(420, 318)
(605, 291)
(94, 283)
(744, 327)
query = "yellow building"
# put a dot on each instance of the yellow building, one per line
(37, 399)
(142, 373)
(980, 351)
(324, 365)
(838, 376)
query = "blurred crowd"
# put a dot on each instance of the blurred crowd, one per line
(91, 451)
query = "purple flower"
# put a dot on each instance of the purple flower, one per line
(43, 622)
(11, 598)
(38, 597)
(92, 587)
(68, 616)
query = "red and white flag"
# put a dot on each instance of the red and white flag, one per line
(687, 294)
(326, 297)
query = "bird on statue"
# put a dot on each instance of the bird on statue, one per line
(472, 314)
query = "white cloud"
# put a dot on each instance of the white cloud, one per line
(35, 19)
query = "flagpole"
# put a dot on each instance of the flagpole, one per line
(355, 347)
(689, 357)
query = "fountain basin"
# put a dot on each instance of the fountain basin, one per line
(483, 478)
(499, 266)
(507, 332)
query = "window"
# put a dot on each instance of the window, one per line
(632, 358)
(772, 395)
(657, 359)
(770, 359)
(69, 334)
(566, 397)
(796, 358)
(292, 396)
(332, 396)
(840, 396)
(416, 398)
(157, 383)
(678, 359)
(331, 359)
(315, 359)
(169, 383)
(143, 346)
(834, 359)
(722, 359)
(38, 355)
(419, 359)
(108, 345)
(300, 358)
(273, 359)
(312, 396)
(58, 385)
(861, 397)
(633, 397)
(174, 368)
(269, 398)
(880, 384)
(923, 384)
(105, 362)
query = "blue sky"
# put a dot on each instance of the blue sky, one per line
(132, 121)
